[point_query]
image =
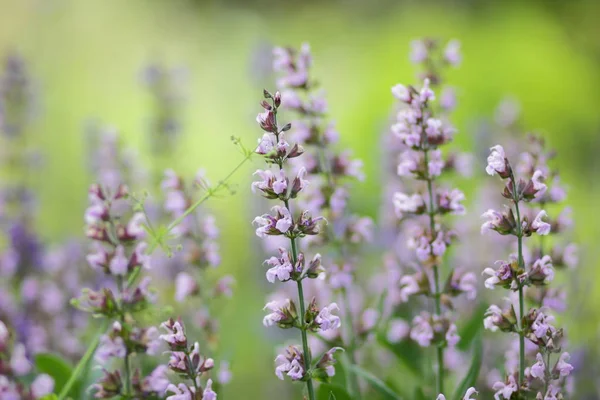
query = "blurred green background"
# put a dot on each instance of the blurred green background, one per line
(86, 56)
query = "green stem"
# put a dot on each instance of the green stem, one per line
(521, 297)
(436, 280)
(305, 349)
(126, 366)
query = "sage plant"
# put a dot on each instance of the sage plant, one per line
(545, 378)
(330, 173)
(197, 236)
(119, 254)
(290, 264)
(423, 134)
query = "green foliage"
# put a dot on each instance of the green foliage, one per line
(473, 372)
(380, 386)
(329, 391)
(408, 353)
(59, 369)
(469, 330)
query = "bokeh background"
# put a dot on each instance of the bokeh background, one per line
(86, 57)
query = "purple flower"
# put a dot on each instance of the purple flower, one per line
(290, 363)
(562, 367)
(180, 392)
(540, 227)
(157, 381)
(418, 51)
(452, 53)
(497, 162)
(408, 204)
(538, 370)
(280, 312)
(326, 320)
(397, 330)
(422, 331)
(119, 263)
(19, 363)
(505, 389)
(185, 285)
(175, 335)
(208, 393)
(42, 386)
(281, 267)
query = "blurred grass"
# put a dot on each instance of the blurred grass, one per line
(87, 55)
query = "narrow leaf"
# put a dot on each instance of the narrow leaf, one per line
(473, 372)
(471, 328)
(376, 383)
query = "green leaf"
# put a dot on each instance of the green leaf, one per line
(407, 352)
(51, 396)
(420, 394)
(376, 383)
(473, 372)
(328, 391)
(471, 328)
(59, 369)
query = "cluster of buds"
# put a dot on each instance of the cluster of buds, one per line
(119, 252)
(521, 275)
(16, 369)
(290, 265)
(421, 135)
(187, 362)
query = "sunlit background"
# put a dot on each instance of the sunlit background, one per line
(86, 58)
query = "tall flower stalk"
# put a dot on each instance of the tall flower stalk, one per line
(119, 251)
(291, 264)
(536, 324)
(423, 134)
(330, 172)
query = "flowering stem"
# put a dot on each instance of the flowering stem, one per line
(520, 286)
(94, 343)
(305, 349)
(436, 280)
(126, 361)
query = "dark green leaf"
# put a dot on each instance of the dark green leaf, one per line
(471, 328)
(407, 352)
(473, 372)
(420, 394)
(328, 391)
(376, 383)
(59, 369)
